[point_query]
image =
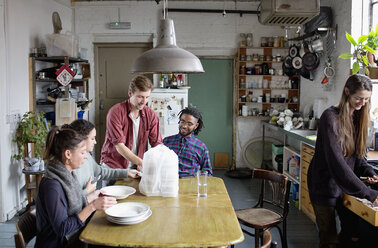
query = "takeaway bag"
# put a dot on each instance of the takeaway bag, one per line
(160, 172)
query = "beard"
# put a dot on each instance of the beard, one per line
(187, 133)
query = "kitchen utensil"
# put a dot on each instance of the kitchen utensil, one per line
(317, 45)
(297, 63)
(310, 61)
(293, 51)
(305, 73)
(302, 50)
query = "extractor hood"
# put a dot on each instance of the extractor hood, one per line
(288, 12)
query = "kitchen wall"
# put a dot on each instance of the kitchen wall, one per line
(23, 26)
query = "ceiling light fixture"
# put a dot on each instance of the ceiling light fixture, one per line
(167, 57)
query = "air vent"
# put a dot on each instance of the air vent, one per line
(288, 12)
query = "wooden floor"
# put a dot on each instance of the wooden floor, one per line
(243, 193)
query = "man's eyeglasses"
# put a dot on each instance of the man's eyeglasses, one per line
(189, 124)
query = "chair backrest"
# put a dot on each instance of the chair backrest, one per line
(267, 239)
(26, 229)
(278, 195)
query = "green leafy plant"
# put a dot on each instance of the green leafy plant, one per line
(31, 129)
(364, 44)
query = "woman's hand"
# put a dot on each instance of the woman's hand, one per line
(132, 173)
(93, 196)
(104, 202)
(91, 186)
(373, 179)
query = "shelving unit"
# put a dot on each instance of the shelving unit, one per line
(270, 87)
(287, 153)
(37, 85)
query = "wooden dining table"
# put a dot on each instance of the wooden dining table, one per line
(182, 221)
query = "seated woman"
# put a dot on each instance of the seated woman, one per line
(91, 169)
(61, 208)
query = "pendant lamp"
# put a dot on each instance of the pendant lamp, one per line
(167, 57)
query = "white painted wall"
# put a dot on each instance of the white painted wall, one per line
(23, 26)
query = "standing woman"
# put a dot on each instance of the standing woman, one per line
(90, 168)
(339, 161)
(62, 209)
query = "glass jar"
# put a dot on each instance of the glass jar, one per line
(264, 42)
(258, 69)
(242, 70)
(270, 41)
(276, 41)
(255, 57)
(278, 56)
(242, 84)
(282, 41)
(242, 57)
(261, 57)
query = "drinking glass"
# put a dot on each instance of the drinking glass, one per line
(202, 183)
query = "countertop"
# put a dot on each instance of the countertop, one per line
(299, 134)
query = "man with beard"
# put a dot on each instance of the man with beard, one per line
(192, 153)
(129, 125)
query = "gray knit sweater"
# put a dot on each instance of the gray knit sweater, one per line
(330, 173)
(91, 168)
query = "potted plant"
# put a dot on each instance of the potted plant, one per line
(31, 129)
(365, 44)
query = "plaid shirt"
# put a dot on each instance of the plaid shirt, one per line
(192, 153)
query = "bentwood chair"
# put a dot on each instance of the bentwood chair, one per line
(26, 229)
(271, 209)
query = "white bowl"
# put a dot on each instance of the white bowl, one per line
(127, 210)
(118, 191)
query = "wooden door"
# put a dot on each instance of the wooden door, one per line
(113, 74)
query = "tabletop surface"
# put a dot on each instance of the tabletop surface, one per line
(183, 221)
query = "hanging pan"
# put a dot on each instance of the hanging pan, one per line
(310, 61)
(287, 66)
(293, 51)
(297, 63)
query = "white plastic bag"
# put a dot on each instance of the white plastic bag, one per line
(160, 172)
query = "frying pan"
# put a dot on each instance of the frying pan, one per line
(306, 73)
(310, 61)
(293, 51)
(287, 67)
(297, 63)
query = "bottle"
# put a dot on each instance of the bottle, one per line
(161, 82)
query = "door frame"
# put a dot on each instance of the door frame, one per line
(96, 47)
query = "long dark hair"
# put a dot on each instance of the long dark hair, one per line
(59, 140)
(82, 126)
(353, 129)
(196, 114)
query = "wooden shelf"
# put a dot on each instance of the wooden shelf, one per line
(267, 89)
(249, 47)
(296, 103)
(261, 75)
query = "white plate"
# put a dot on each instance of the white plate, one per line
(120, 222)
(118, 191)
(129, 219)
(127, 210)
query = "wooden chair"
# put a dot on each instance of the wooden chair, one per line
(267, 239)
(261, 218)
(26, 229)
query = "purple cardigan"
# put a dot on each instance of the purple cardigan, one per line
(330, 173)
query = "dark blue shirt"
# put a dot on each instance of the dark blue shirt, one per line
(53, 222)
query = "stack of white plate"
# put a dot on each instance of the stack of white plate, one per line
(118, 191)
(128, 213)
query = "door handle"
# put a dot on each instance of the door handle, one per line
(102, 104)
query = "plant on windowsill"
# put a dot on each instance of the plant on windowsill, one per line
(31, 129)
(365, 45)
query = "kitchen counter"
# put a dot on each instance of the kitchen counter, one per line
(298, 134)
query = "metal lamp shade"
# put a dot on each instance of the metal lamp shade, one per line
(166, 57)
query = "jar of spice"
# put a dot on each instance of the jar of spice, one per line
(276, 41)
(261, 57)
(278, 56)
(242, 57)
(242, 84)
(270, 41)
(258, 69)
(274, 58)
(264, 41)
(242, 70)
(282, 41)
